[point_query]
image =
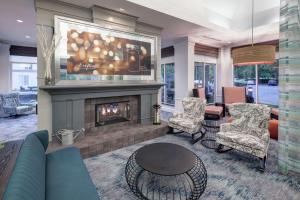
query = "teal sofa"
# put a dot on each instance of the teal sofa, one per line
(60, 175)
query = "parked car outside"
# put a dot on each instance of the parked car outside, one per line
(250, 82)
(273, 82)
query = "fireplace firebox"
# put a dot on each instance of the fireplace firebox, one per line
(110, 113)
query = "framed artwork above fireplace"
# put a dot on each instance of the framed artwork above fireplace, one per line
(88, 51)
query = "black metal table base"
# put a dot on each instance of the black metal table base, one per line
(148, 185)
(209, 143)
(209, 136)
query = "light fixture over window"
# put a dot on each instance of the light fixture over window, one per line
(254, 54)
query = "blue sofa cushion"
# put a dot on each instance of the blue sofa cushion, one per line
(67, 177)
(27, 181)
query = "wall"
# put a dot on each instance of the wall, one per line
(46, 9)
(4, 68)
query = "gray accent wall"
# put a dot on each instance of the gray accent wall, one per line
(68, 103)
(57, 100)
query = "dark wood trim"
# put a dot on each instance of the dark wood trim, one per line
(272, 42)
(167, 51)
(205, 50)
(23, 51)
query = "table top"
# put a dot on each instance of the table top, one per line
(212, 123)
(165, 159)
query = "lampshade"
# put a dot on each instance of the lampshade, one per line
(257, 54)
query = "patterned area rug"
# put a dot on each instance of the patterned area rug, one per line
(232, 175)
(15, 128)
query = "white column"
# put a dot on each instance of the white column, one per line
(184, 70)
(5, 68)
(224, 71)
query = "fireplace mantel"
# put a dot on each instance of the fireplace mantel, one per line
(103, 87)
(68, 101)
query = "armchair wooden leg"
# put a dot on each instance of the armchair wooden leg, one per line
(171, 130)
(263, 163)
(219, 148)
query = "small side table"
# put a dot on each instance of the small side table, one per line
(211, 127)
(165, 171)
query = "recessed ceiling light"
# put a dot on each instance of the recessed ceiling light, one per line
(27, 36)
(122, 9)
(20, 21)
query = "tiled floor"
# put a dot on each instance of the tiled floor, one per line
(14, 128)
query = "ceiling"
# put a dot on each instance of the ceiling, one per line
(212, 22)
(11, 31)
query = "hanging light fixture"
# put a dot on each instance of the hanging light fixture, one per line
(254, 54)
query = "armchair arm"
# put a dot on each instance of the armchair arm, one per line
(177, 115)
(198, 120)
(229, 127)
(266, 137)
(9, 109)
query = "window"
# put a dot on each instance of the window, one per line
(261, 82)
(168, 90)
(205, 76)
(245, 76)
(199, 75)
(268, 91)
(23, 80)
(23, 73)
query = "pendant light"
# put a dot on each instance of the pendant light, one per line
(254, 54)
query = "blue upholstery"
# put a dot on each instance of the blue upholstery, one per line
(67, 177)
(60, 175)
(27, 181)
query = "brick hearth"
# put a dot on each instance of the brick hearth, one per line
(117, 137)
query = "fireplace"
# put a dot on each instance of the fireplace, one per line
(110, 113)
(102, 114)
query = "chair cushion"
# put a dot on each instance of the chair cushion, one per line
(234, 95)
(213, 110)
(184, 122)
(23, 109)
(67, 177)
(275, 111)
(273, 128)
(27, 181)
(201, 93)
(242, 139)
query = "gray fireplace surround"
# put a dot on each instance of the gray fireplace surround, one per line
(68, 101)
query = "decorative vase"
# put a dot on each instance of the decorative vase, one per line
(48, 76)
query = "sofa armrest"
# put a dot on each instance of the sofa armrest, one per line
(43, 136)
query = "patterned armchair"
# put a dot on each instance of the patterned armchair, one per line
(248, 132)
(11, 105)
(190, 120)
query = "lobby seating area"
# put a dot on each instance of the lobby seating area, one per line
(150, 100)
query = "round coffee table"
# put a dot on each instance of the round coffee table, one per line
(211, 127)
(165, 171)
